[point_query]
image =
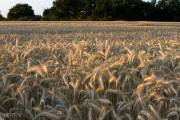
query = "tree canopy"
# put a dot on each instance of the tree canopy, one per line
(21, 12)
(163, 10)
(1, 17)
(156, 10)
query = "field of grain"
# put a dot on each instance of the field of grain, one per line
(89, 70)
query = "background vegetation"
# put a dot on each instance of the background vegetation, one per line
(1, 17)
(157, 10)
(22, 12)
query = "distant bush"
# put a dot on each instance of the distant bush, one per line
(21, 12)
(37, 17)
(1, 17)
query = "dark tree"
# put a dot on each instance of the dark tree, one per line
(21, 12)
(163, 10)
(168, 10)
(52, 14)
(103, 10)
(1, 17)
(64, 10)
(118, 9)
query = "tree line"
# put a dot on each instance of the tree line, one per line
(154, 10)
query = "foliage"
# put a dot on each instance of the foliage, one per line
(1, 17)
(168, 9)
(21, 12)
(113, 10)
(157, 10)
(64, 9)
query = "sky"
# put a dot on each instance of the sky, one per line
(37, 5)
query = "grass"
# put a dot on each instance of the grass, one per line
(89, 71)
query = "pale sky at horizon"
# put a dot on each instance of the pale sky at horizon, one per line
(37, 5)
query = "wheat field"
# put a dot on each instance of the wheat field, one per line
(89, 70)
